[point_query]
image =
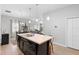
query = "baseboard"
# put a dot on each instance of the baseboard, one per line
(59, 44)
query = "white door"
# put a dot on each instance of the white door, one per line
(69, 40)
(73, 33)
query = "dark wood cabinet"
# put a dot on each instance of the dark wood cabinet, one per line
(4, 39)
(32, 48)
(29, 48)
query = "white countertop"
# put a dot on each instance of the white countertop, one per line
(37, 38)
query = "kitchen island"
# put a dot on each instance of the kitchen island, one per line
(33, 44)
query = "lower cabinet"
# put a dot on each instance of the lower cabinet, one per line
(31, 48)
(42, 49)
(5, 39)
(27, 47)
(21, 44)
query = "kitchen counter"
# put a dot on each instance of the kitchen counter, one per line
(33, 44)
(37, 38)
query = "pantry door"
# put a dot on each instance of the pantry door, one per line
(73, 33)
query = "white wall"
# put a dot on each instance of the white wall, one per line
(58, 18)
(5, 24)
(0, 26)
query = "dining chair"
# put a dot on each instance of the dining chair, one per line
(51, 44)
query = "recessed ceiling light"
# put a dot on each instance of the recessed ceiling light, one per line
(29, 21)
(36, 20)
(48, 18)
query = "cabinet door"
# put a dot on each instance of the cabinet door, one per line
(21, 44)
(29, 48)
(42, 49)
(5, 39)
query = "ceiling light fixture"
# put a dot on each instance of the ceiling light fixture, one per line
(29, 12)
(36, 20)
(48, 18)
(37, 13)
(29, 21)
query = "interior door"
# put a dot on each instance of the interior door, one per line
(69, 40)
(73, 33)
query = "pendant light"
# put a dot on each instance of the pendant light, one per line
(37, 13)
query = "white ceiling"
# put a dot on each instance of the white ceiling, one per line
(22, 10)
